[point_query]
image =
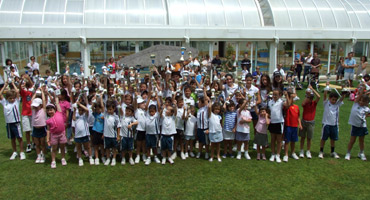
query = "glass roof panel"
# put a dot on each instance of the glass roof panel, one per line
(233, 12)
(215, 11)
(55, 5)
(33, 6)
(296, 14)
(94, 12)
(11, 5)
(326, 13)
(280, 12)
(197, 12)
(135, 12)
(313, 16)
(178, 13)
(115, 12)
(155, 12)
(31, 18)
(340, 14)
(351, 14)
(361, 12)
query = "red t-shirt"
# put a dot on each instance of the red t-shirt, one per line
(26, 102)
(309, 111)
(292, 115)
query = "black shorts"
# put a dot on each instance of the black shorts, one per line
(39, 132)
(96, 138)
(179, 134)
(276, 128)
(140, 136)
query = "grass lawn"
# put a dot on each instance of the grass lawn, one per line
(194, 178)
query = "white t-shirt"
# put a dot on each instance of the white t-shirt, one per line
(276, 108)
(230, 90)
(331, 113)
(11, 111)
(81, 125)
(188, 100)
(168, 125)
(281, 71)
(141, 118)
(125, 131)
(215, 123)
(123, 107)
(358, 115)
(190, 126)
(34, 66)
(253, 91)
(111, 123)
(244, 114)
(152, 124)
(202, 117)
(91, 118)
(179, 121)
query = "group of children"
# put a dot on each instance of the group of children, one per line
(170, 112)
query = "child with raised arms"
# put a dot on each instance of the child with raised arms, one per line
(190, 129)
(261, 137)
(127, 133)
(112, 126)
(215, 128)
(97, 132)
(228, 130)
(242, 129)
(168, 131)
(140, 114)
(152, 133)
(39, 124)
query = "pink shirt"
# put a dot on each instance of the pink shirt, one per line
(64, 105)
(38, 118)
(56, 123)
(261, 126)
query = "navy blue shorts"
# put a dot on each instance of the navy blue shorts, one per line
(291, 134)
(202, 137)
(140, 136)
(254, 116)
(39, 132)
(82, 139)
(166, 142)
(96, 138)
(127, 144)
(359, 131)
(329, 131)
(151, 141)
(110, 143)
(13, 130)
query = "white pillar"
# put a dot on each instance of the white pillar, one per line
(85, 57)
(57, 56)
(312, 48)
(349, 48)
(293, 53)
(236, 51)
(105, 51)
(2, 46)
(30, 49)
(256, 55)
(210, 49)
(137, 47)
(112, 49)
(366, 53)
(329, 57)
(251, 56)
(272, 57)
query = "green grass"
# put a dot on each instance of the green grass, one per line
(193, 178)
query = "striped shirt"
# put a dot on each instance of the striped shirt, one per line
(125, 131)
(202, 117)
(331, 113)
(11, 111)
(111, 123)
(230, 119)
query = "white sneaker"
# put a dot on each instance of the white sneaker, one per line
(38, 159)
(156, 160)
(97, 161)
(42, 159)
(219, 159)
(148, 161)
(123, 161)
(272, 158)
(137, 159)
(301, 154)
(22, 156)
(239, 156)
(113, 163)
(170, 161)
(91, 161)
(308, 154)
(198, 155)
(285, 158)
(14, 155)
(174, 155)
(321, 155)
(53, 165)
(29, 148)
(254, 146)
(103, 159)
(295, 156)
(246, 155)
(278, 160)
(335, 155)
(210, 160)
(106, 163)
(362, 156)
(191, 154)
(206, 156)
(182, 155)
(186, 155)
(163, 161)
(235, 148)
(80, 162)
(64, 162)
(131, 161)
(348, 156)
(144, 157)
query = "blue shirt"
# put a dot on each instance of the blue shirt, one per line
(230, 119)
(349, 63)
(98, 123)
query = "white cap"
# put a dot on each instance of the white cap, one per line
(140, 100)
(36, 102)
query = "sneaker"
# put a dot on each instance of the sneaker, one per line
(191, 154)
(182, 155)
(301, 154)
(206, 156)
(348, 156)
(246, 155)
(308, 154)
(80, 162)
(174, 156)
(272, 158)
(258, 156)
(137, 159)
(38, 159)
(113, 163)
(186, 155)
(210, 160)
(362, 156)
(254, 146)
(106, 163)
(163, 161)
(148, 161)
(170, 161)
(335, 155)
(239, 156)
(144, 157)
(263, 157)
(198, 155)
(321, 155)
(22, 156)
(278, 160)
(29, 148)
(156, 160)
(131, 161)
(53, 165)
(295, 156)
(14, 155)
(123, 161)
(91, 161)
(224, 156)
(97, 161)
(42, 159)
(64, 162)
(285, 158)
(103, 159)
(219, 159)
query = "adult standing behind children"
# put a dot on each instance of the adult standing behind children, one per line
(349, 68)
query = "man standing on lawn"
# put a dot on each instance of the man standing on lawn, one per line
(349, 68)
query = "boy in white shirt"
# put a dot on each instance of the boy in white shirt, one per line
(127, 133)
(112, 126)
(179, 137)
(168, 130)
(140, 115)
(152, 132)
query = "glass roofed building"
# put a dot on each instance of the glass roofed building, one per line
(270, 31)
